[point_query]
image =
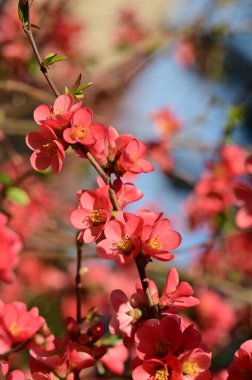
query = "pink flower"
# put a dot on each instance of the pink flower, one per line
(166, 122)
(241, 367)
(175, 294)
(158, 241)
(122, 242)
(59, 114)
(115, 358)
(154, 369)
(14, 375)
(109, 147)
(150, 218)
(48, 149)
(216, 317)
(93, 213)
(131, 159)
(185, 54)
(126, 192)
(195, 365)
(19, 323)
(157, 338)
(244, 216)
(82, 130)
(10, 246)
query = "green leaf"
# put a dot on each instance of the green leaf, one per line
(23, 11)
(18, 196)
(236, 114)
(51, 58)
(78, 88)
(5, 179)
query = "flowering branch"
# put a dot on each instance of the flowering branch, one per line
(140, 261)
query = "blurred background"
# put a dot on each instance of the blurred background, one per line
(176, 74)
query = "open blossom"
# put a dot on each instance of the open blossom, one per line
(166, 122)
(82, 130)
(158, 241)
(115, 358)
(19, 323)
(58, 115)
(241, 367)
(155, 369)
(48, 149)
(195, 365)
(177, 294)
(132, 158)
(157, 338)
(93, 213)
(122, 238)
(10, 246)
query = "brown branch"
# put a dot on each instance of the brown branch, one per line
(17, 86)
(139, 260)
(78, 279)
(17, 348)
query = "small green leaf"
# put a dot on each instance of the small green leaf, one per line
(51, 58)
(5, 179)
(78, 88)
(18, 196)
(236, 114)
(23, 11)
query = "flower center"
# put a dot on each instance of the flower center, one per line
(154, 243)
(190, 368)
(161, 374)
(97, 217)
(57, 111)
(49, 148)
(125, 245)
(162, 347)
(79, 132)
(14, 329)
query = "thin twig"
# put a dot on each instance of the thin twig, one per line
(78, 279)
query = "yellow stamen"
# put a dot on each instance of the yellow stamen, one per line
(79, 132)
(190, 368)
(154, 243)
(97, 217)
(14, 329)
(162, 374)
(125, 245)
(57, 111)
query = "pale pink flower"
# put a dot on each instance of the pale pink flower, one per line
(122, 238)
(82, 130)
(177, 294)
(93, 213)
(59, 114)
(20, 324)
(10, 247)
(158, 241)
(48, 149)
